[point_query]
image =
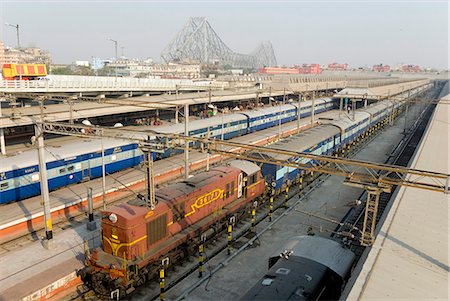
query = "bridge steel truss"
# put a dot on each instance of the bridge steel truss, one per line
(373, 177)
(199, 42)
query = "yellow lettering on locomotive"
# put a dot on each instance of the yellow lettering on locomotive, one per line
(208, 198)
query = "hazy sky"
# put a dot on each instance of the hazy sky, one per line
(357, 32)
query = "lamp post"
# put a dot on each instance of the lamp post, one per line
(17, 31)
(18, 45)
(115, 48)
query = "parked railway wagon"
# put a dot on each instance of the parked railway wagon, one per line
(137, 239)
(305, 268)
(76, 162)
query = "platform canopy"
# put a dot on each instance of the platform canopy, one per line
(358, 93)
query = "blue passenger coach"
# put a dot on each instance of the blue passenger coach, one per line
(68, 164)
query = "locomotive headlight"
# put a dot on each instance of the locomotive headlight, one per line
(113, 217)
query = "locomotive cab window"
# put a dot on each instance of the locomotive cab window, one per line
(252, 179)
(70, 168)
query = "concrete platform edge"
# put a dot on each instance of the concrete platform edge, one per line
(54, 288)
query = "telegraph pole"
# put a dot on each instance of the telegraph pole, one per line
(177, 110)
(39, 132)
(299, 111)
(312, 111)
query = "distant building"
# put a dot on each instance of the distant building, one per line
(310, 69)
(410, 68)
(28, 55)
(172, 70)
(146, 68)
(381, 68)
(2, 54)
(98, 63)
(278, 70)
(81, 63)
(237, 71)
(337, 67)
(303, 69)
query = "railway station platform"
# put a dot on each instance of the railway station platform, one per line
(409, 259)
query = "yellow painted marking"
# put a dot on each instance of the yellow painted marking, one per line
(206, 199)
(114, 236)
(116, 246)
(49, 224)
(253, 184)
(150, 213)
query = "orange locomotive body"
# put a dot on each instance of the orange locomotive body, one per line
(136, 239)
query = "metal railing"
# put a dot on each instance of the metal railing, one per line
(106, 84)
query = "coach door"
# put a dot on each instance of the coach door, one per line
(239, 192)
(85, 170)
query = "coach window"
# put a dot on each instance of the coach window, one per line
(4, 186)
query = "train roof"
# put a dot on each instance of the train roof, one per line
(308, 103)
(303, 141)
(200, 123)
(267, 110)
(54, 153)
(346, 121)
(293, 279)
(185, 187)
(325, 251)
(377, 106)
(247, 167)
